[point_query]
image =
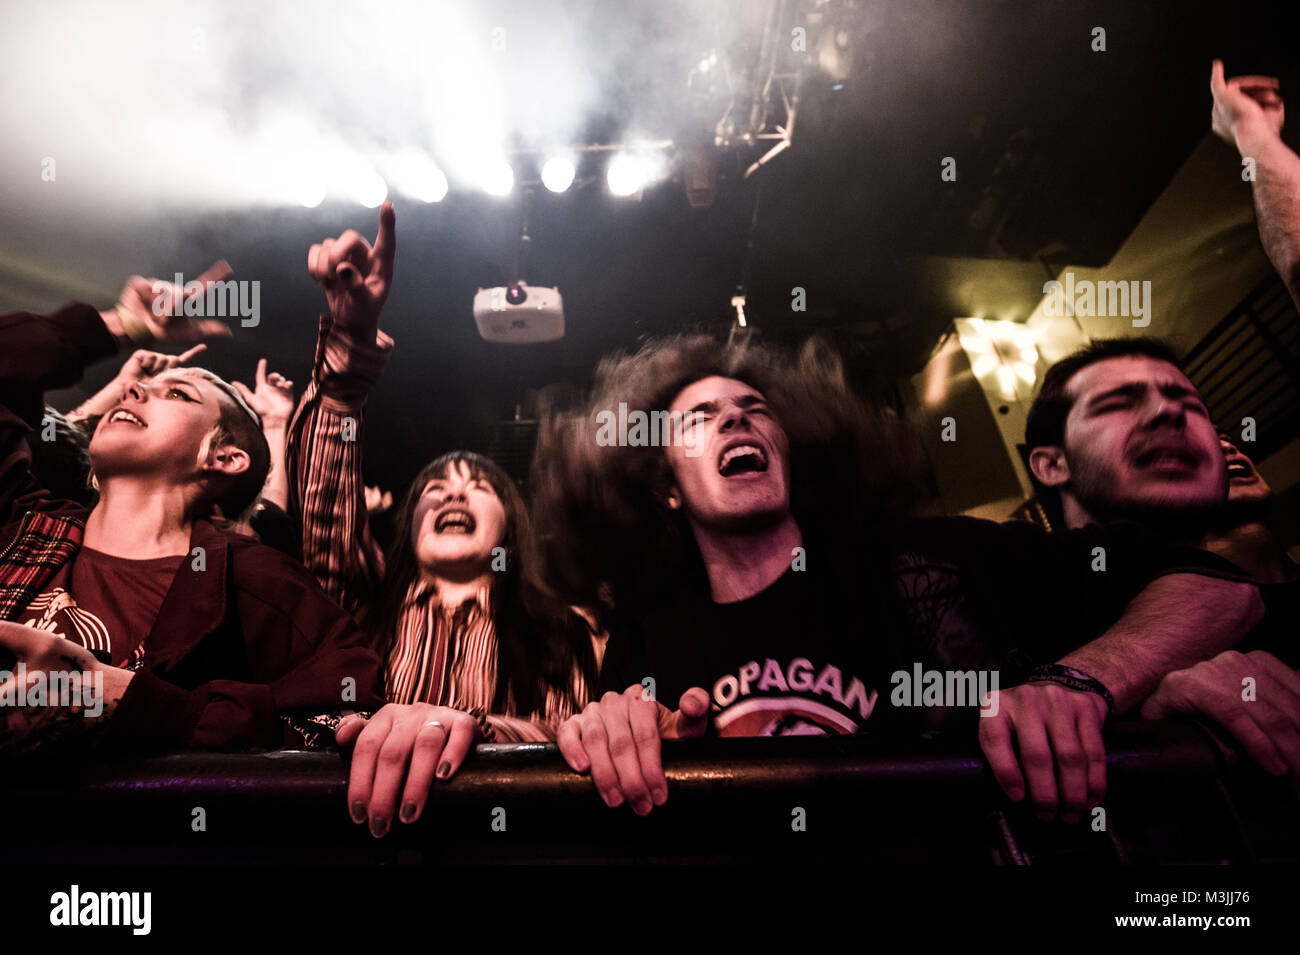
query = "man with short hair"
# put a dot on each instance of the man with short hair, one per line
(1118, 432)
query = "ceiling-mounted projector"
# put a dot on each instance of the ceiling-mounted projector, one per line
(519, 314)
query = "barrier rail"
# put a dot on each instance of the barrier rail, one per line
(1175, 795)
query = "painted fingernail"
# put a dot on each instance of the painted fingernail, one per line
(408, 812)
(379, 828)
(444, 770)
(358, 812)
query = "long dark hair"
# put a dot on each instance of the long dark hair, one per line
(539, 640)
(604, 521)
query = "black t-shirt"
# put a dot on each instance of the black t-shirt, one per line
(788, 661)
(824, 653)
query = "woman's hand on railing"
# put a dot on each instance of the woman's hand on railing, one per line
(398, 752)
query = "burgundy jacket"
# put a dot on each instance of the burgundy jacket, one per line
(241, 650)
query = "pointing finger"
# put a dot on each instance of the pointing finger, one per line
(386, 241)
(189, 354)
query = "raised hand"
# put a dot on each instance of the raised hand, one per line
(271, 397)
(378, 500)
(146, 364)
(357, 276)
(1244, 101)
(147, 308)
(141, 364)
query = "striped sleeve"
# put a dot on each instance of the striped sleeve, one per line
(324, 461)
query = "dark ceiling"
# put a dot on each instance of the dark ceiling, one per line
(1059, 151)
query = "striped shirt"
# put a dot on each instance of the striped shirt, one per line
(447, 659)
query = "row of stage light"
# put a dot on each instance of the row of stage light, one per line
(414, 175)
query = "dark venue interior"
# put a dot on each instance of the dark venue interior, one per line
(902, 181)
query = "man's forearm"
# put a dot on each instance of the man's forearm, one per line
(1277, 200)
(1177, 621)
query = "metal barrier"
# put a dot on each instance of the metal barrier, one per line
(1175, 795)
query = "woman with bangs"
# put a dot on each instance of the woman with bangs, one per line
(461, 619)
(456, 610)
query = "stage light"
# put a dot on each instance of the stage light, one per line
(416, 175)
(497, 178)
(626, 175)
(558, 173)
(366, 185)
(984, 365)
(1002, 354)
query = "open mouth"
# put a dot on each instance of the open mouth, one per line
(1167, 457)
(742, 459)
(1239, 471)
(121, 414)
(454, 521)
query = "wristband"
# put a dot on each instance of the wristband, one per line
(1072, 679)
(135, 328)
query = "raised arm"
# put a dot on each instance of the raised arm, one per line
(1248, 114)
(142, 364)
(42, 352)
(326, 434)
(272, 398)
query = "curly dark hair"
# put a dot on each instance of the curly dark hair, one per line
(604, 524)
(539, 639)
